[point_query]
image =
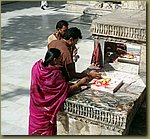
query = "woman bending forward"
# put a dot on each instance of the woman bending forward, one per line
(48, 91)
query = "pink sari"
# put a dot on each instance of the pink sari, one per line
(48, 92)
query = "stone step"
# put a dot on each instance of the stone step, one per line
(79, 6)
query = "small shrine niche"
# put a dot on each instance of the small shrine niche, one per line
(122, 37)
(113, 50)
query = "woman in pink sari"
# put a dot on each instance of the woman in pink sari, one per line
(48, 92)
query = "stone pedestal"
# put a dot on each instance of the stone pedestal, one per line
(92, 112)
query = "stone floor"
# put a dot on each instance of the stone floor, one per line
(24, 31)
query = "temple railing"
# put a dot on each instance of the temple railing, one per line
(122, 32)
(123, 24)
(115, 121)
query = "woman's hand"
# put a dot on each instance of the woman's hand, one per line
(83, 81)
(78, 84)
(94, 74)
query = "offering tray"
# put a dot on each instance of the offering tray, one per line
(106, 84)
(133, 58)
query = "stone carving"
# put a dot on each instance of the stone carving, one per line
(122, 24)
(98, 110)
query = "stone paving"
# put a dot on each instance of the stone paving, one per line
(25, 28)
(24, 31)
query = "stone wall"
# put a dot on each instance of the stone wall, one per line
(72, 126)
(80, 6)
(143, 59)
(134, 4)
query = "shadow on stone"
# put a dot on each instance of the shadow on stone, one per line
(26, 32)
(16, 5)
(139, 123)
(18, 93)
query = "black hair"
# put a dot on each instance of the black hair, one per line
(50, 55)
(61, 23)
(73, 32)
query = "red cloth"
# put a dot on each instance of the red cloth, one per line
(97, 54)
(48, 92)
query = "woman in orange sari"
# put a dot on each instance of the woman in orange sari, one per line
(48, 91)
